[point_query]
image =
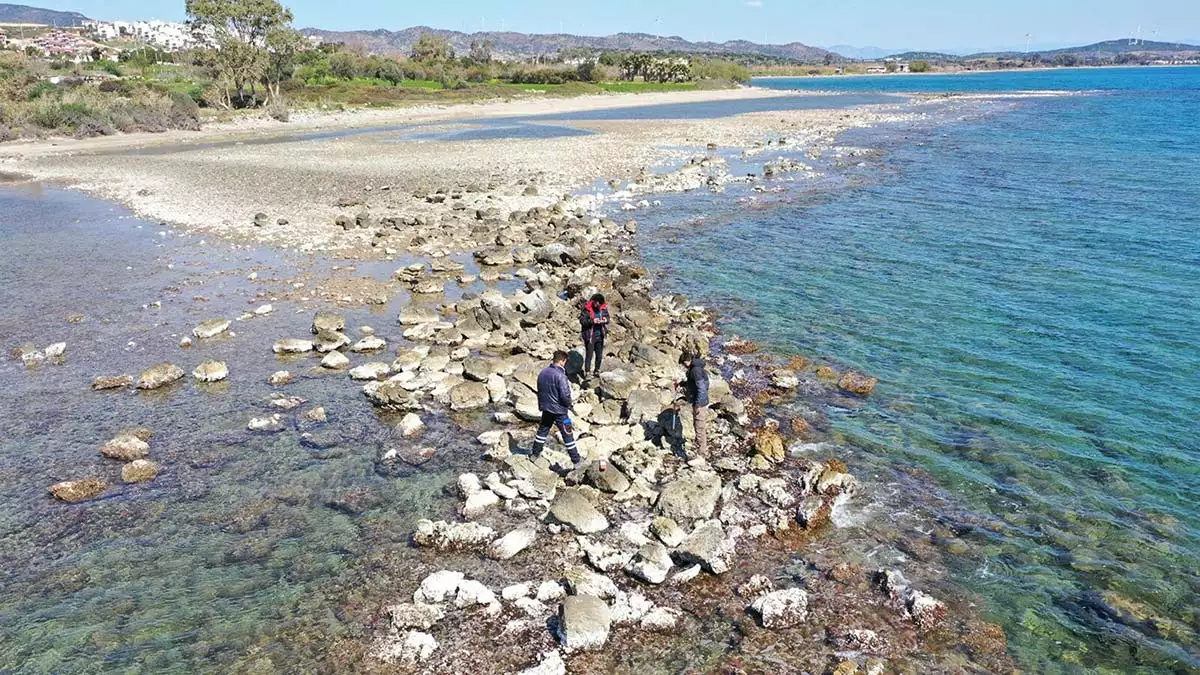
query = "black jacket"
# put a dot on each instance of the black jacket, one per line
(594, 322)
(695, 388)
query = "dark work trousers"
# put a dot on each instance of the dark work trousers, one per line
(593, 348)
(563, 422)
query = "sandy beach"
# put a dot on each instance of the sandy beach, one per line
(219, 179)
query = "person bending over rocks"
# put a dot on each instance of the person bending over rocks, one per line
(594, 320)
(554, 400)
(695, 393)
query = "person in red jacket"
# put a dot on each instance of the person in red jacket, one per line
(594, 321)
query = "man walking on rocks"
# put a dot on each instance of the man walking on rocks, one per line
(695, 392)
(554, 400)
(594, 320)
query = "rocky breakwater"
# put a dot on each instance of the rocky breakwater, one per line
(592, 552)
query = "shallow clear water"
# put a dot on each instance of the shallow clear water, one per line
(1027, 287)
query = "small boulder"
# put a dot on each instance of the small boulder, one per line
(415, 615)
(512, 543)
(690, 497)
(858, 384)
(328, 322)
(369, 344)
(335, 361)
(652, 563)
(104, 382)
(572, 508)
(126, 448)
(292, 346)
(78, 490)
(367, 371)
(280, 378)
(210, 328)
(583, 623)
(708, 546)
(438, 587)
(160, 376)
(410, 425)
(667, 531)
(781, 609)
(469, 396)
(211, 371)
(139, 471)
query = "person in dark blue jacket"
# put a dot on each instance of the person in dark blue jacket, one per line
(695, 392)
(554, 400)
(594, 321)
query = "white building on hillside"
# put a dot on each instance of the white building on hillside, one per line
(166, 35)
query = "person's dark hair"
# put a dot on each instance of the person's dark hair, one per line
(685, 357)
(560, 356)
(598, 298)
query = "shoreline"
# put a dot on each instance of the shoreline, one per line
(666, 339)
(1039, 69)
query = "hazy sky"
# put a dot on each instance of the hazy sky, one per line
(925, 24)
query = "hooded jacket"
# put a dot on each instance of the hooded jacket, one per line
(695, 388)
(594, 319)
(554, 391)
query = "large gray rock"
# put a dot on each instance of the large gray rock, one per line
(583, 623)
(558, 255)
(160, 376)
(572, 508)
(415, 316)
(781, 609)
(618, 384)
(469, 396)
(328, 341)
(478, 369)
(535, 307)
(708, 546)
(541, 480)
(690, 497)
(655, 359)
(642, 405)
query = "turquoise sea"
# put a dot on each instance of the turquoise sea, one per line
(1025, 281)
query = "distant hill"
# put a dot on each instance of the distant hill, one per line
(527, 45)
(1128, 46)
(26, 14)
(863, 53)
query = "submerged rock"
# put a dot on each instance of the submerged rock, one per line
(139, 471)
(583, 623)
(104, 382)
(160, 376)
(856, 383)
(210, 328)
(78, 490)
(445, 536)
(415, 615)
(408, 648)
(410, 425)
(271, 424)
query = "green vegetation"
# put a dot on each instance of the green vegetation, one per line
(30, 103)
(918, 67)
(254, 59)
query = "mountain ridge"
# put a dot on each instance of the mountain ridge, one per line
(526, 45)
(10, 13)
